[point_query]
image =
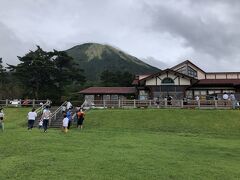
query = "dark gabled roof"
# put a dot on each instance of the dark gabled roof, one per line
(221, 82)
(167, 70)
(109, 90)
(188, 62)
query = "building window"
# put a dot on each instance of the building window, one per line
(167, 81)
(192, 72)
(143, 95)
(183, 70)
(114, 97)
(106, 97)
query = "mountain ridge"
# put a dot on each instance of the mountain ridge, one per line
(94, 58)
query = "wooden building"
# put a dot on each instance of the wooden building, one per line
(185, 80)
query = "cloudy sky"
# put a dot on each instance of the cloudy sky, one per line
(161, 32)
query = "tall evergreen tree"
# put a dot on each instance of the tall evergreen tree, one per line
(44, 74)
(118, 78)
(3, 79)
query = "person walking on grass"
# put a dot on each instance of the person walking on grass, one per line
(69, 116)
(31, 118)
(45, 117)
(1, 119)
(40, 124)
(65, 123)
(80, 116)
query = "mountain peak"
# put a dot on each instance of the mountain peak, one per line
(94, 58)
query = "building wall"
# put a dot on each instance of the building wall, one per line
(232, 76)
(200, 74)
(152, 82)
(223, 76)
(210, 76)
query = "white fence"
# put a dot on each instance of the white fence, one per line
(204, 104)
(22, 103)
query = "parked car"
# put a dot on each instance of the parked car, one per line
(26, 102)
(15, 102)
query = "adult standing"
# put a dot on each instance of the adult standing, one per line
(45, 117)
(157, 102)
(69, 105)
(69, 116)
(197, 98)
(2, 119)
(233, 100)
(31, 118)
(80, 116)
(225, 98)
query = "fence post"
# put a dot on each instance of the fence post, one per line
(33, 104)
(150, 103)
(216, 103)
(104, 103)
(119, 103)
(6, 102)
(199, 104)
(165, 103)
(181, 103)
(134, 103)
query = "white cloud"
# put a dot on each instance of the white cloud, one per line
(169, 31)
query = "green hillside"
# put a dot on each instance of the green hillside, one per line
(125, 144)
(95, 58)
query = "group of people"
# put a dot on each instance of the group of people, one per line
(44, 120)
(230, 97)
(167, 99)
(68, 117)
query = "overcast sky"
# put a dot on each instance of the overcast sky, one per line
(161, 32)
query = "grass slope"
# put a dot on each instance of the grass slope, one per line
(126, 144)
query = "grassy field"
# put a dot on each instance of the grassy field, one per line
(125, 144)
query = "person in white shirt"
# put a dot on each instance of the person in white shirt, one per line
(40, 124)
(45, 117)
(197, 98)
(1, 119)
(65, 123)
(64, 109)
(31, 118)
(69, 105)
(225, 98)
(233, 100)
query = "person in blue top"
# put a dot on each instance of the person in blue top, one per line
(69, 116)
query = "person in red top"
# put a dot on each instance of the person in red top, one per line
(80, 116)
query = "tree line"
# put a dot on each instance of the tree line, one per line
(54, 74)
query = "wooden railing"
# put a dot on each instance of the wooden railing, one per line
(204, 104)
(22, 103)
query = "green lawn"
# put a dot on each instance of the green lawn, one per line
(125, 144)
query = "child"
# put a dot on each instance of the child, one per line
(1, 119)
(40, 124)
(65, 123)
